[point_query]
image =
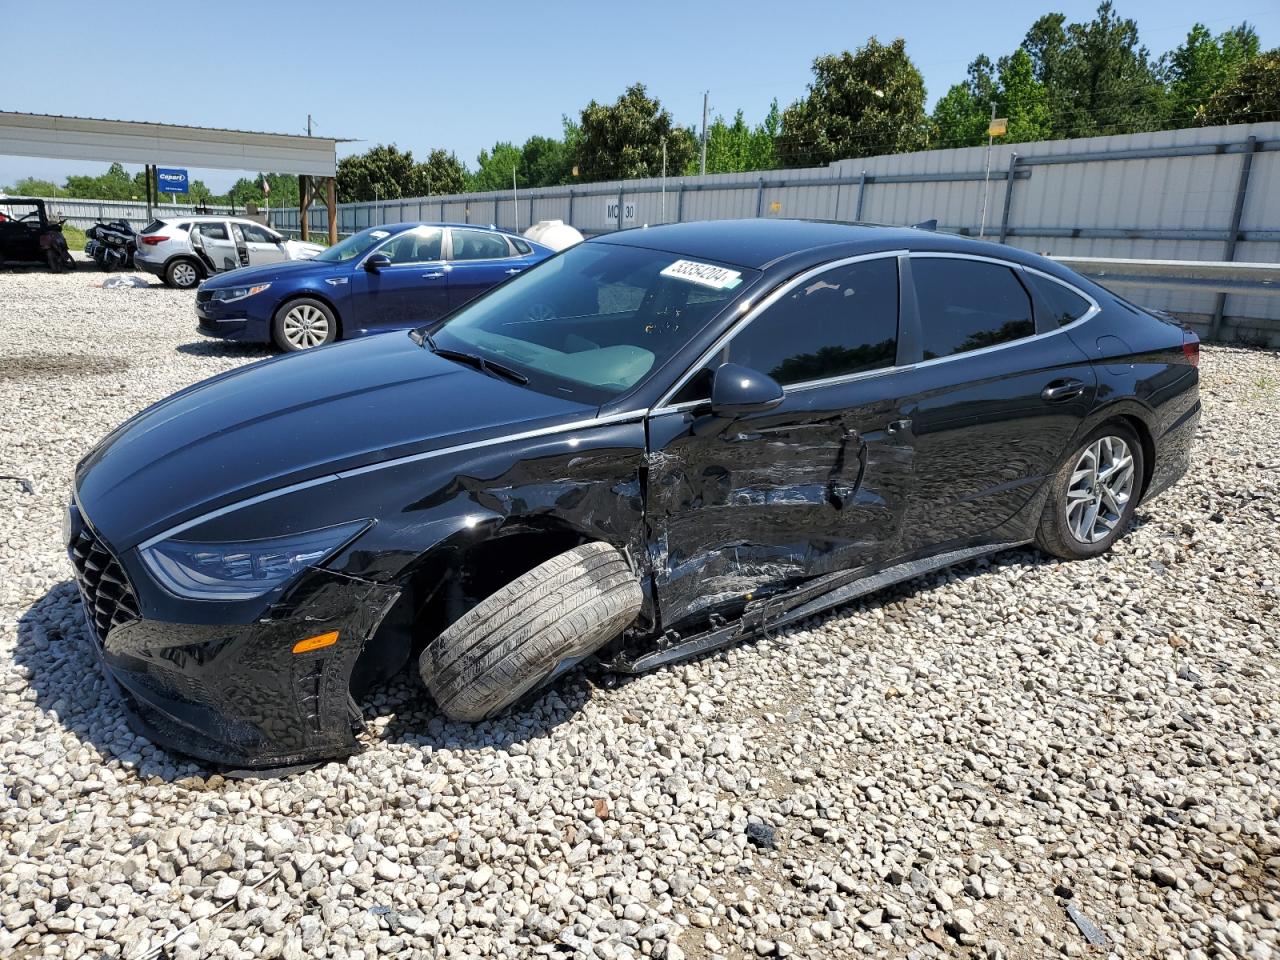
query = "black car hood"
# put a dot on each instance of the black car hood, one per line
(291, 419)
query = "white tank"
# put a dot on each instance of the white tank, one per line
(555, 234)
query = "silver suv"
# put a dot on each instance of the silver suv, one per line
(182, 251)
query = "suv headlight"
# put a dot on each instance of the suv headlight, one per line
(228, 294)
(242, 570)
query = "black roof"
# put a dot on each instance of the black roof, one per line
(761, 243)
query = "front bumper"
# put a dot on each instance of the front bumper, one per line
(231, 321)
(233, 694)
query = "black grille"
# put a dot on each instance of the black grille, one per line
(109, 601)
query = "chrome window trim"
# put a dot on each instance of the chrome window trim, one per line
(626, 416)
(664, 403)
(663, 407)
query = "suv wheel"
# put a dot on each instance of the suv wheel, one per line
(182, 274)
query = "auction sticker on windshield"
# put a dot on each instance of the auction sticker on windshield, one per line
(703, 274)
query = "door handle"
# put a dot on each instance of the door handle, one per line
(1062, 390)
(432, 276)
(897, 426)
(513, 271)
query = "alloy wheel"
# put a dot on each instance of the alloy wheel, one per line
(306, 326)
(1100, 488)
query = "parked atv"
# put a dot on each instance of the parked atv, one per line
(112, 245)
(27, 235)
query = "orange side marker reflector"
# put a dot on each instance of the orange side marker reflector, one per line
(318, 642)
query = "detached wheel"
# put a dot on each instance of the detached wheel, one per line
(182, 274)
(1094, 494)
(302, 324)
(530, 631)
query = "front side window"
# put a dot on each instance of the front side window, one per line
(479, 245)
(840, 322)
(418, 245)
(1064, 305)
(968, 304)
(354, 246)
(593, 322)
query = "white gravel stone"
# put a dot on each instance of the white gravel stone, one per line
(952, 759)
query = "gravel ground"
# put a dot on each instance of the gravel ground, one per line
(940, 770)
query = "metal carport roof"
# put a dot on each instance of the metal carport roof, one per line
(130, 141)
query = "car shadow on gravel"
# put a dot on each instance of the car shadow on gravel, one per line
(57, 653)
(225, 348)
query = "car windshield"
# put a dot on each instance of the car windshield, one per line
(356, 245)
(595, 320)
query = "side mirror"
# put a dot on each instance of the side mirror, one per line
(377, 262)
(737, 390)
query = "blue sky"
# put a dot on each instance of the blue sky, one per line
(461, 76)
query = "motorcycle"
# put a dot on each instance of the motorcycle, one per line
(53, 246)
(112, 245)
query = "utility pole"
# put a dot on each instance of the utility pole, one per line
(308, 124)
(986, 179)
(664, 179)
(702, 166)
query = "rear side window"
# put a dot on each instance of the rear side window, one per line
(153, 227)
(840, 322)
(1064, 305)
(969, 304)
(522, 248)
(479, 245)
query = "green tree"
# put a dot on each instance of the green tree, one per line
(1022, 99)
(1098, 78)
(381, 172)
(545, 162)
(1252, 97)
(624, 139)
(115, 184)
(1202, 65)
(735, 147)
(34, 187)
(443, 173)
(858, 105)
(494, 168)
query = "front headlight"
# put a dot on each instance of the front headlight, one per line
(243, 569)
(229, 294)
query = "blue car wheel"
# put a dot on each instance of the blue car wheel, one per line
(303, 323)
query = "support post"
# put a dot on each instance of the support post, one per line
(331, 201)
(495, 210)
(1237, 214)
(304, 203)
(146, 173)
(760, 198)
(680, 204)
(1008, 197)
(570, 218)
(862, 189)
(619, 208)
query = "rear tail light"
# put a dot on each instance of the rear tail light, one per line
(1191, 347)
(152, 240)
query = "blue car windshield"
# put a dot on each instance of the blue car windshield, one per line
(356, 245)
(595, 320)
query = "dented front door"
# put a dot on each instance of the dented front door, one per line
(738, 509)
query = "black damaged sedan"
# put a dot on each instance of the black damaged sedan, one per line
(653, 444)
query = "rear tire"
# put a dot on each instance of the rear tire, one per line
(530, 631)
(1094, 494)
(303, 323)
(182, 274)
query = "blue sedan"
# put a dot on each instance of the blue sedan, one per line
(390, 277)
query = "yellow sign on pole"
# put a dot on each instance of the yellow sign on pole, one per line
(998, 127)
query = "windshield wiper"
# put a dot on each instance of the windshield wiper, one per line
(482, 364)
